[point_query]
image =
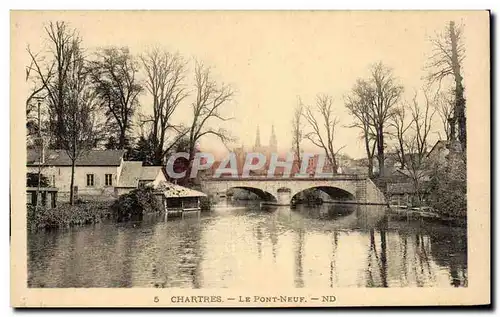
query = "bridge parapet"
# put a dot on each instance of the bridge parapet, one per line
(358, 186)
(295, 178)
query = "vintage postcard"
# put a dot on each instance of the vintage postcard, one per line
(250, 159)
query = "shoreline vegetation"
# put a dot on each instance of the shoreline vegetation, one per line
(140, 202)
(132, 206)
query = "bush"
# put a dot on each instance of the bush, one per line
(133, 205)
(449, 198)
(65, 215)
(449, 189)
(205, 203)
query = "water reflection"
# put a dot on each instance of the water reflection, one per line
(247, 246)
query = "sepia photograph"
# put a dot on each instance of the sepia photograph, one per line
(250, 158)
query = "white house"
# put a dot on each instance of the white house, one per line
(99, 174)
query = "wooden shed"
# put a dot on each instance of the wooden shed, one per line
(47, 196)
(179, 199)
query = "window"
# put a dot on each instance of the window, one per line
(108, 179)
(90, 180)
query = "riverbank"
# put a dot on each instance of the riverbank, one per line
(66, 215)
(425, 214)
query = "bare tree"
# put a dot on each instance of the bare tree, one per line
(113, 74)
(210, 98)
(417, 144)
(384, 93)
(358, 103)
(378, 96)
(445, 61)
(79, 113)
(297, 131)
(422, 122)
(444, 107)
(323, 129)
(33, 113)
(51, 73)
(165, 73)
(401, 124)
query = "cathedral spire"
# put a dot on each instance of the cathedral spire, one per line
(257, 138)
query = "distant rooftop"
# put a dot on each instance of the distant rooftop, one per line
(90, 158)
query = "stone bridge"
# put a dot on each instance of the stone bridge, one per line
(352, 188)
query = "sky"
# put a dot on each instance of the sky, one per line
(271, 58)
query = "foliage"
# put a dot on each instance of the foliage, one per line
(133, 205)
(205, 203)
(65, 215)
(113, 76)
(32, 180)
(449, 189)
(143, 151)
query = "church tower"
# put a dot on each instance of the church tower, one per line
(257, 140)
(273, 142)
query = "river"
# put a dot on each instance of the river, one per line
(245, 246)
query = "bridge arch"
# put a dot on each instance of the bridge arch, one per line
(262, 194)
(334, 192)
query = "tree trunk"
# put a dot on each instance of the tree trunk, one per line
(299, 159)
(380, 152)
(41, 158)
(122, 140)
(402, 152)
(370, 167)
(368, 155)
(189, 166)
(72, 183)
(459, 111)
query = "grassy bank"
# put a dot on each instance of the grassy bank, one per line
(65, 215)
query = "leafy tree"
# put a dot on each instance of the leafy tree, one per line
(114, 77)
(143, 151)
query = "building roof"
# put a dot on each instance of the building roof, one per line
(400, 188)
(90, 158)
(405, 188)
(439, 144)
(150, 172)
(132, 172)
(171, 190)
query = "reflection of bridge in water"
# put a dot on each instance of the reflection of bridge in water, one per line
(281, 190)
